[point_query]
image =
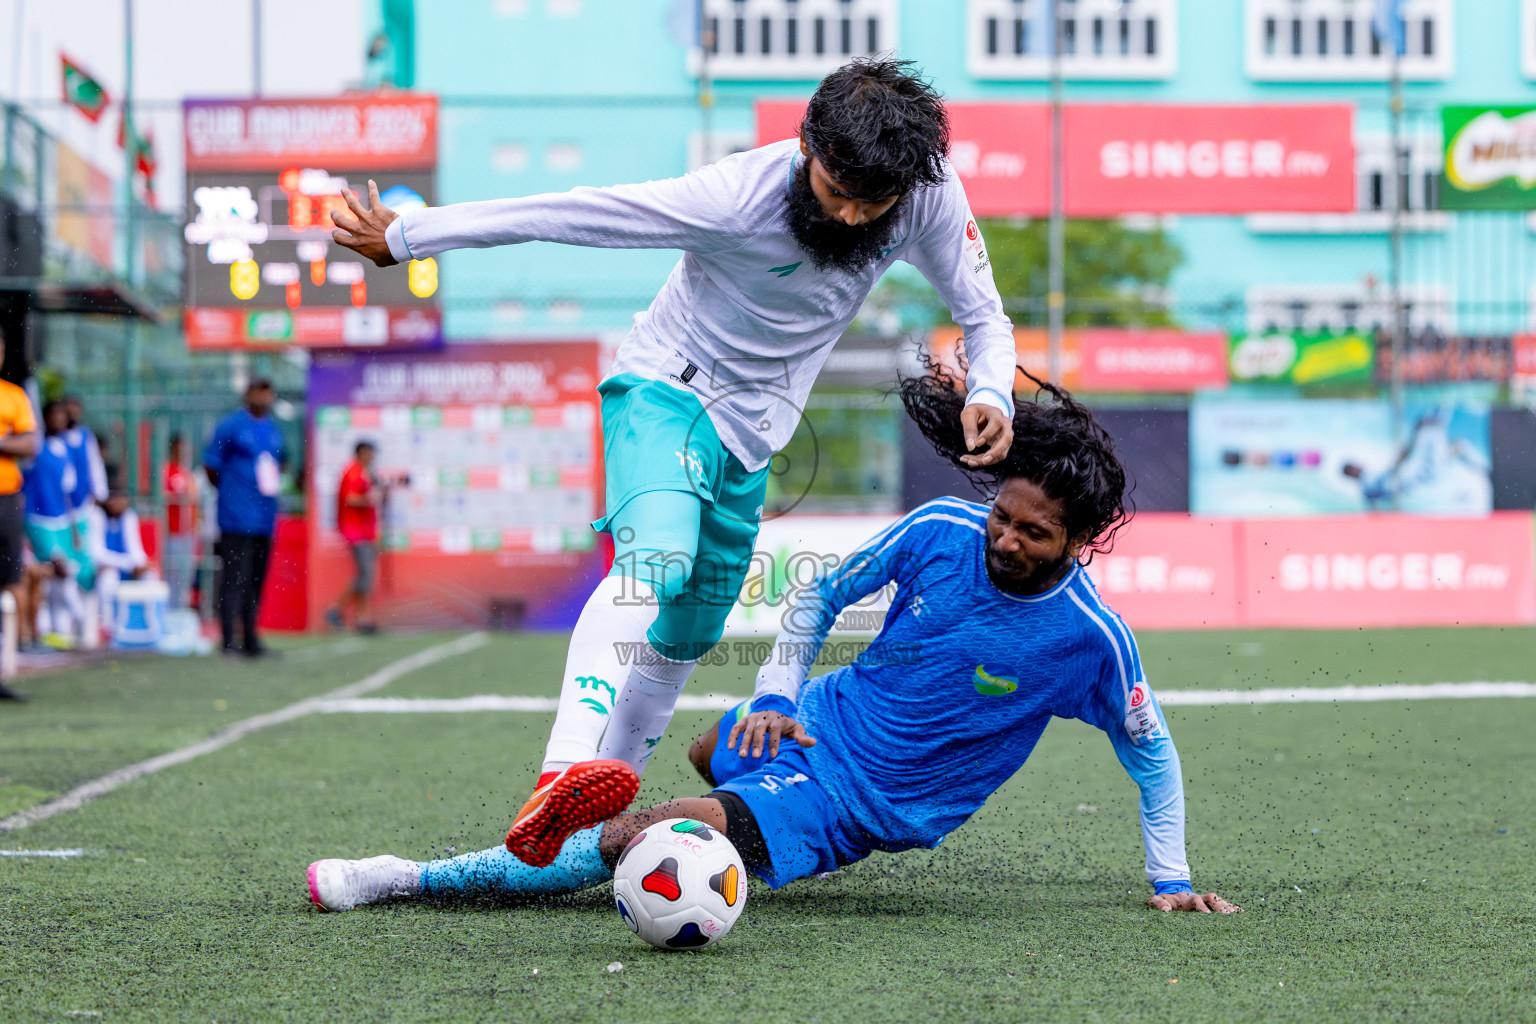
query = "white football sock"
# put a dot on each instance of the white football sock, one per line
(608, 638)
(640, 718)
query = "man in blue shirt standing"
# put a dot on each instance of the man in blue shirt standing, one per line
(85, 455)
(244, 460)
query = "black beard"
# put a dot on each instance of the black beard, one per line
(1031, 584)
(828, 241)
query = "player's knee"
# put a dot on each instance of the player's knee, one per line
(665, 573)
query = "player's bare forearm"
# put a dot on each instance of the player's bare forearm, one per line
(363, 231)
(1199, 903)
(988, 434)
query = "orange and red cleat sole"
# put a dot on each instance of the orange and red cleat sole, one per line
(588, 793)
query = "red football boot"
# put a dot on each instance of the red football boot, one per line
(586, 793)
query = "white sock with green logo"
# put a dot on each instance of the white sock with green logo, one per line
(644, 708)
(609, 636)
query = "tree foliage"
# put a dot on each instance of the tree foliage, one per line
(1115, 275)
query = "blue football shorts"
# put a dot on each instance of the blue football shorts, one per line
(801, 827)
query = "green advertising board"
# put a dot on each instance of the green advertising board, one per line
(1490, 158)
(1299, 358)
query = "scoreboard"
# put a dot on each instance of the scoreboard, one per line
(263, 179)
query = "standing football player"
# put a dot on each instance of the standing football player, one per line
(781, 246)
(994, 629)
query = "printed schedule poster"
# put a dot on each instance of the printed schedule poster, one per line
(490, 456)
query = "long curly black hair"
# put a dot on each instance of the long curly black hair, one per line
(878, 128)
(1057, 444)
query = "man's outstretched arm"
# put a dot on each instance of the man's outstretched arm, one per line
(698, 212)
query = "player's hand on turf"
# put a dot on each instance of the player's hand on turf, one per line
(986, 428)
(770, 726)
(363, 232)
(1207, 903)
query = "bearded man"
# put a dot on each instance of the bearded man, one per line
(781, 246)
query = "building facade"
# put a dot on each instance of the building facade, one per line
(543, 95)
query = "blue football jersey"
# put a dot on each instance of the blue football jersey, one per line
(952, 696)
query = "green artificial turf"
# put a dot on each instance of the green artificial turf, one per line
(1382, 853)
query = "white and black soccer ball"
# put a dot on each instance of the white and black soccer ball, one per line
(680, 884)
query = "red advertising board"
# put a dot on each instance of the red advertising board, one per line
(1033, 346)
(1525, 355)
(1152, 360)
(1170, 571)
(1173, 571)
(1156, 158)
(394, 131)
(1142, 158)
(1390, 571)
(493, 452)
(212, 328)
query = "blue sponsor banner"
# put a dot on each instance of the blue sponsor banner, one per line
(1290, 457)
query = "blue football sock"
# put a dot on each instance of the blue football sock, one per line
(495, 872)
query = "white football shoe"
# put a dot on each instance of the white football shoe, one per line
(344, 884)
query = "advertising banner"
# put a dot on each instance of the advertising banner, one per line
(1171, 571)
(393, 131)
(1033, 345)
(85, 223)
(263, 178)
(1390, 571)
(1141, 158)
(1431, 357)
(790, 552)
(1490, 158)
(1299, 358)
(1290, 457)
(493, 456)
(1184, 158)
(1152, 360)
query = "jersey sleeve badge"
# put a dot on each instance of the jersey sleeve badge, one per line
(1140, 715)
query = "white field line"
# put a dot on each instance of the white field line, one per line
(1171, 698)
(417, 706)
(1346, 694)
(88, 791)
(61, 854)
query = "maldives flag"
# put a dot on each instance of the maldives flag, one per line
(81, 91)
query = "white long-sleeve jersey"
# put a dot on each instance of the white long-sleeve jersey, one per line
(745, 307)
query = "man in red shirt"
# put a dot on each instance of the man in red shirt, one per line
(179, 489)
(357, 518)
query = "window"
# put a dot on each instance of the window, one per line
(1376, 190)
(1100, 39)
(1333, 41)
(1346, 307)
(1528, 38)
(788, 39)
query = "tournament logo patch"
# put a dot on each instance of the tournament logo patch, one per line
(989, 685)
(1140, 718)
(975, 253)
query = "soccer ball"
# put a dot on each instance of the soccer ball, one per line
(680, 884)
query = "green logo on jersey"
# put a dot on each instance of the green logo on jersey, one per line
(786, 269)
(989, 685)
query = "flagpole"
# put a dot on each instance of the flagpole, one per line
(1399, 202)
(706, 40)
(1055, 300)
(256, 49)
(130, 245)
